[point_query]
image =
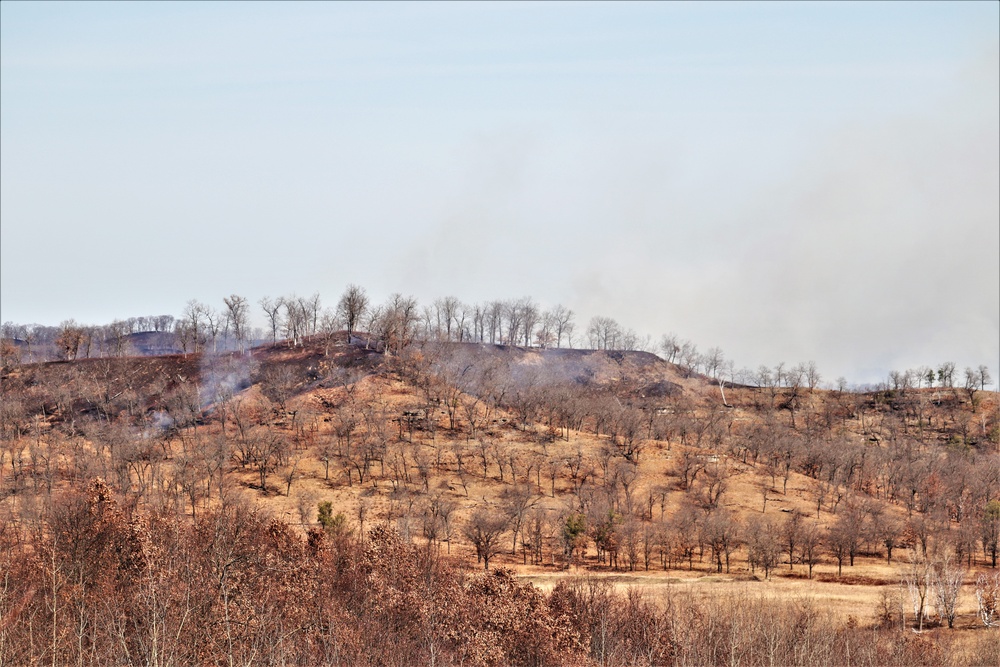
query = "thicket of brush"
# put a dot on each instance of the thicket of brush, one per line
(87, 581)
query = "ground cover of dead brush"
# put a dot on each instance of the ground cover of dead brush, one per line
(415, 450)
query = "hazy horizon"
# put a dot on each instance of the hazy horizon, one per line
(788, 182)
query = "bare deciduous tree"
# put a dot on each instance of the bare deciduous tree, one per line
(946, 374)
(604, 333)
(71, 336)
(351, 307)
(918, 580)
(988, 598)
(763, 544)
(947, 584)
(238, 319)
(484, 530)
(517, 500)
(272, 309)
(670, 346)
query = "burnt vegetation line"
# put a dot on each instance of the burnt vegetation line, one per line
(400, 320)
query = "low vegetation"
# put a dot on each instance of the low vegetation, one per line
(455, 485)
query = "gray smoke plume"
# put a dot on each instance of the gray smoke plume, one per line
(223, 375)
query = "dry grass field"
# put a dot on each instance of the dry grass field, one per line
(859, 593)
(617, 470)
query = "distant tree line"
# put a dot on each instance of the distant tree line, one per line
(401, 320)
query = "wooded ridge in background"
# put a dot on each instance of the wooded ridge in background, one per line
(456, 485)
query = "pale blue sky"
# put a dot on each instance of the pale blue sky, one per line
(786, 181)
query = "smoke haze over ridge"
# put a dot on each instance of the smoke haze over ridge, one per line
(786, 182)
